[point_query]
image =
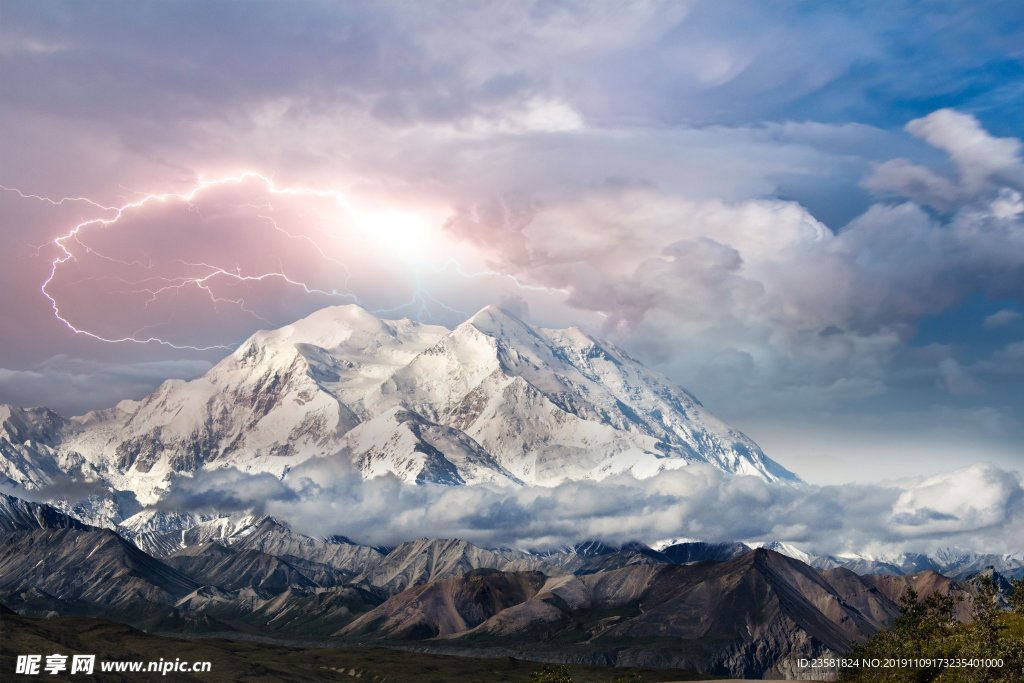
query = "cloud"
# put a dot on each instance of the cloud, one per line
(652, 62)
(736, 281)
(957, 380)
(767, 298)
(1002, 318)
(71, 385)
(969, 500)
(907, 179)
(980, 158)
(1009, 359)
(225, 490)
(972, 507)
(66, 489)
(380, 92)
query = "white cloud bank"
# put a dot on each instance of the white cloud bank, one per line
(979, 507)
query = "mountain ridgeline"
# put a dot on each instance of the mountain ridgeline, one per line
(715, 608)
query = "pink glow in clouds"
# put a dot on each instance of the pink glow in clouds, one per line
(199, 269)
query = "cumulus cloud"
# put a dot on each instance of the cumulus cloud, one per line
(69, 489)
(735, 281)
(973, 507)
(969, 500)
(980, 158)
(1008, 360)
(983, 163)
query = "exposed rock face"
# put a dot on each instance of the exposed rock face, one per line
(89, 566)
(228, 569)
(924, 583)
(754, 614)
(29, 453)
(50, 562)
(22, 515)
(425, 560)
(448, 606)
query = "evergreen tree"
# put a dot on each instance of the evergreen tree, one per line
(928, 630)
(1017, 595)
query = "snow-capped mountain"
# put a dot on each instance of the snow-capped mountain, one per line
(788, 550)
(494, 400)
(552, 405)
(949, 562)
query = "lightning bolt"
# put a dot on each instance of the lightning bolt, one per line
(204, 275)
(209, 272)
(56, 202)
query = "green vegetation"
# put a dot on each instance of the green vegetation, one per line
(1017, 596)
(552, 674)
(934, 646)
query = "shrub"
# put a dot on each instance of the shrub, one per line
(552, 674)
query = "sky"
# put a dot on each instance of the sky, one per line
(808, 214)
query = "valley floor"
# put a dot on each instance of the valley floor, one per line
(241, 660)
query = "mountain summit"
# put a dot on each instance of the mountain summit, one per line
(494, 400)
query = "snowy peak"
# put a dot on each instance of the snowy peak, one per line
(498, 323)
(284, 396)
(328, 328)
(956, 564)
(592, 548)
(346, 331)
(788, 550)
